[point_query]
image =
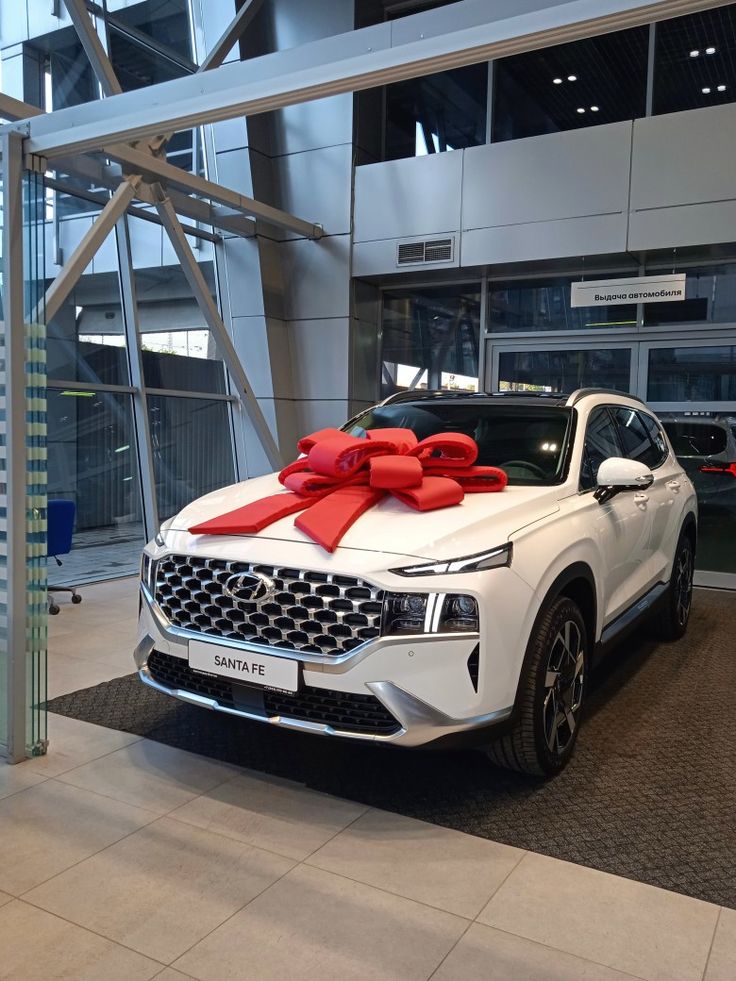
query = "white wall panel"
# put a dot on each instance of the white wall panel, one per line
(317, 275)
(683, 180)
(320, 358)
(316, 185)
(405, 198)
(569, 237)
(546, 178)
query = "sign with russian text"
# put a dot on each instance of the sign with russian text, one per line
(617, 292)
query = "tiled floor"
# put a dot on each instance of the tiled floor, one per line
(125, 859)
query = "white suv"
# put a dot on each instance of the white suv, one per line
(480, 620)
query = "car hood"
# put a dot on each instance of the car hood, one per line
(480, 521)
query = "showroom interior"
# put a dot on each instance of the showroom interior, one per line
(227, 224)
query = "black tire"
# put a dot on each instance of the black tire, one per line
(53, 609)
(544, 736)
(672, 617)
(76, 598)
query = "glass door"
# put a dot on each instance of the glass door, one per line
(692, 387)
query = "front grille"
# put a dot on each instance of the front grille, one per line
(313, 612)
(342, 710)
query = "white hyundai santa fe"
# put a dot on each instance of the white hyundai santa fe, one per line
(477, 622)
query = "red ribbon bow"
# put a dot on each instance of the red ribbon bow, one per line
(342, 476)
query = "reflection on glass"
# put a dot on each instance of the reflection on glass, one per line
(564, 371)
(694, 60)
(92, 461)
(545, 305)
(86, 338)
(192, 449)
(179, 351)
(710, 297)
(692, 374)
(437, 112)
(570, 86)
(430, 339)
(705, 445)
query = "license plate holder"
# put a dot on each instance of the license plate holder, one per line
(245, 666)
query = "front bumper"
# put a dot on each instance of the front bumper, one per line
(401, 677)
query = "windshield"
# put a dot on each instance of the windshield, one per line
(528, 442)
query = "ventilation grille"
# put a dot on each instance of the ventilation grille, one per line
(421, 253)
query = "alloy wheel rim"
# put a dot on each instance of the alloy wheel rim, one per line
(563, 683)
(684, 585)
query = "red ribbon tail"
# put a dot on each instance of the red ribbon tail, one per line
(434, 492)
(252, 517)
(327, 520)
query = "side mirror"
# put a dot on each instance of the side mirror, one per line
(618, 474)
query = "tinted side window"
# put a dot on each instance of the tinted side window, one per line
(635, 440)
(657, 437)
(601, 442)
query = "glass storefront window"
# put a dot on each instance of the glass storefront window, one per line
(545, 305)
(564, 371)
(92, 460)
(85, 340)
(692, 374)
(192, 449)
(710, 297)
(569, 86)
(705, 445)
(435, 113)
(179, 350)
(695, 60)
(430, 339)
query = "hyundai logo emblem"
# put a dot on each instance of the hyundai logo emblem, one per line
(249, 587)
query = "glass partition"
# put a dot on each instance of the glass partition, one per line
(569, 86)
(430, 339)
(564, 371)
(544, 304)
(192, 449)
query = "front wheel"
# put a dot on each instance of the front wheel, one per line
(671, 620)
(550, 695)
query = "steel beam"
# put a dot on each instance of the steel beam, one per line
(14, 109)
(92, 45)
(89, 244)
(15, 447)
(437, 40)
(157, 170)
(134, 348)
(199, 287)
(232, 32)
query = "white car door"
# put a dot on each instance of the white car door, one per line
(622, 526)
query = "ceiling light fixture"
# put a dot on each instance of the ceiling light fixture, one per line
(594, 108)
(710, 51)
(721, 88)
(557, 81)
(694, 54)
(581, 109)
(572, 78)
(706, 90)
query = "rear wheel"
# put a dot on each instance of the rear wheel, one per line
(671, 620)
(551, 695)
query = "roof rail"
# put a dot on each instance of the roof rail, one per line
(581, 393)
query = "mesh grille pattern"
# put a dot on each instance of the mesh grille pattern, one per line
(345, 711)
(313, 612)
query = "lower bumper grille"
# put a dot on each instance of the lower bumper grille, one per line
(345, 711)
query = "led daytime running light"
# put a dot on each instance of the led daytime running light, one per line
(494, 558)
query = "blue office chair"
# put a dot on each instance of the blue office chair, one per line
(60, 527)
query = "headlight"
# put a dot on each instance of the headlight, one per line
(429, 613)
(493, 558)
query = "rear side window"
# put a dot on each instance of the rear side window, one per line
(601, 443)
(696, 438)
(636, 441)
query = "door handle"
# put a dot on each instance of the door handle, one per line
(674, 485)
(641, 498)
